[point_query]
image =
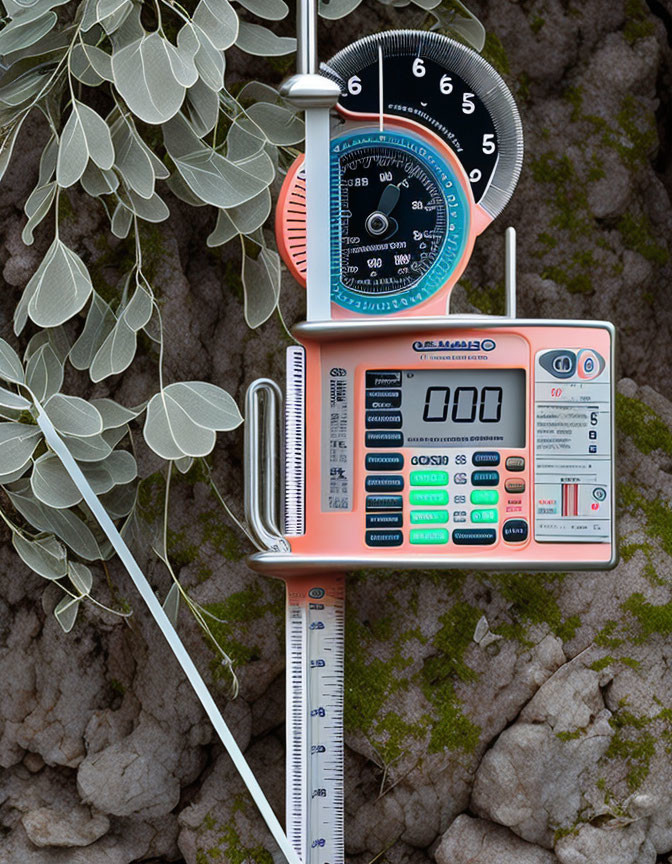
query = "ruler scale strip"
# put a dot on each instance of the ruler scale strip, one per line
(315, 664)
(295, 441)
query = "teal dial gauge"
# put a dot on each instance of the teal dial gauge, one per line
(401, 220)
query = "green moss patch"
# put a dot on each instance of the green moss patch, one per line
(228, 846)
(370, 682)
(568, 196)
(650, 618)
(451, 728)
(657, 514)
(231, 630)
(637, 234)
(636, 747)
(533, 602)
(638, 21)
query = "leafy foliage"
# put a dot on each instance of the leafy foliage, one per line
(134, 97)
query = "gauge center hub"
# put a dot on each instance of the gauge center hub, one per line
(377, 223)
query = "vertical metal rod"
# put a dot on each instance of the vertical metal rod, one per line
(316, 95)
(306, 37)
(318, 216)
(510, 271)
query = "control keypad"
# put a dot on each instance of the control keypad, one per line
(453, 499)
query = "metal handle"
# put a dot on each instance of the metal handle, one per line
(261, 500)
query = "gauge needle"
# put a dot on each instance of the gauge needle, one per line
(380, 87)
(380, 221)
(389, 198)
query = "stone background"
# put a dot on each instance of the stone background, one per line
(548, 739)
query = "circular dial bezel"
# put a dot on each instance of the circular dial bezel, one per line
(453, 244)
(492, 100)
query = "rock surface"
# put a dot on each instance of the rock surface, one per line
(539, 703)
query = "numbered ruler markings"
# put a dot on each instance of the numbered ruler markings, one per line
(315, 703)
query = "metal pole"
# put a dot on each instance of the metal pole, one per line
(316, 95)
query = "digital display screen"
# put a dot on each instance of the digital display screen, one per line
(463, 407)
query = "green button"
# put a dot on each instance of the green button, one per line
(484, 496)
(428, 535)
(423, 516)
(429, 478)
(433, 498)
(483, 515)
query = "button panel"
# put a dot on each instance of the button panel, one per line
(484, 496)
(484, 478)
(424, 517)
(444, 497)
(430, 498)
(429, 536)
(383, 419)
(515, 531)
(380, 438)
(384, 461)
(489, 515)
(384, 520)
(474, 536)
(384, 483)
(483, 458)
(384, 538)
(429, 478)
(383, 398)
(384, 502)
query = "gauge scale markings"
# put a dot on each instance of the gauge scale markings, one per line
(402, 216)
(446, 87)
(458, 116)
(398, 256)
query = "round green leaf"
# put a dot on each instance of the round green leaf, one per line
(51, 483)
(44, 372)
(143, 75)
(218, 19)
(81, 577)
(17, 443)
(171, 433)
(59, 288)
(46, 556)
(73, 416)
(66, 612)
(206, 404)
(255, 39)
(10, 365)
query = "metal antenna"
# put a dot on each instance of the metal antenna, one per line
(510, 271)
(316, 95)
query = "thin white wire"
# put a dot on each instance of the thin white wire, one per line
(58, 446)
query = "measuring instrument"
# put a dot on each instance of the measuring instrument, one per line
(411, 438)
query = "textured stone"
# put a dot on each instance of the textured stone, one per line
(553, 720)
(477, 841)
(77, 827)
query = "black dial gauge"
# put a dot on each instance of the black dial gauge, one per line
(392, 228)
(447, 87)
(403, 221)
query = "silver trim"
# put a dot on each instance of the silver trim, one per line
(291, 564)
(261, 508)
(476, 72)
(322, 331)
